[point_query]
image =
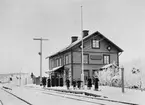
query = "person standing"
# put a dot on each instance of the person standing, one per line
(89, 83)
(48, 82)
(79, 83)
(44, 81)
(74, 84)
(96, 80)
(67, 83)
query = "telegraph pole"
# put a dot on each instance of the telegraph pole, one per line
(40, 53)
(122, 77)
(82, 71)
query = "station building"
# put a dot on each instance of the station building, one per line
(98, 51)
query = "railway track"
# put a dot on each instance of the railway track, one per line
(17, 98)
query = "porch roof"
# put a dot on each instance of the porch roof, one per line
(108, 66)
(55, 69)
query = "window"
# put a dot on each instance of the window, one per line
(86, 58)
(52, 63)
(57, 62)
(66, 59)
(106, 59)
(60, 61)
(95, 43)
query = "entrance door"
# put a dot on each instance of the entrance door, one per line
(95, 73)
(86, 75)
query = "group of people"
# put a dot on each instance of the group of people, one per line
(74, 84)
(90, 82)
(77, 84)
(52, 82)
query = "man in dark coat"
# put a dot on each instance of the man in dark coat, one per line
(49, 82)
(96, 80)
(79, 84)
(44, 81)
(74, 84)
(89, 83)
(67, 83)
(61, 81)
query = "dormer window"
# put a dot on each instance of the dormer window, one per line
(95, 43)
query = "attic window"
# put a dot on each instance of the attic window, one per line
(95, 43)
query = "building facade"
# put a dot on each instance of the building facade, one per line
(97, 52)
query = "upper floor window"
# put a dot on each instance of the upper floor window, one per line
(57, 62)
(66, 59)
(106, 59)
(95, 43)
(60, 62)
(52, 63)
(86, 58)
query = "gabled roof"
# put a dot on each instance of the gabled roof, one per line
(79, 41)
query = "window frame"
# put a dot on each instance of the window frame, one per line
(92, 44)
(57, 62)
(52, 63)
(60, 61)
(104, 61)
(67, 59)
(87, 59)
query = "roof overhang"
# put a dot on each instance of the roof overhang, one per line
(54, 69)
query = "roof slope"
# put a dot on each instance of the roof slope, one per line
(79, 41)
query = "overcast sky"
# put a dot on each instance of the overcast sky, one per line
(122, 21)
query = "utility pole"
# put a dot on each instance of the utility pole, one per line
(82, 71)
(122, 75)
(40, 53)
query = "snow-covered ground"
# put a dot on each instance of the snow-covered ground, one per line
(114, 93)
(45, 97)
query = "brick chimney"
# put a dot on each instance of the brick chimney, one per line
(74, 38)
(85, 33)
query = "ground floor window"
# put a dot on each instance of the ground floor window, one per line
(106, 59)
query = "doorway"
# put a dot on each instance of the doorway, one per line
(86, 75)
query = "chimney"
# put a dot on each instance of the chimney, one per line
(85, 33)
(74, 38)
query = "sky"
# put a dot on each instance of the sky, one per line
(122, 21)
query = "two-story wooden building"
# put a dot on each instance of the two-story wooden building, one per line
(98, 51)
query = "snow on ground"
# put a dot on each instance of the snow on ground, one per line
(114, 93)
(37, 97)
